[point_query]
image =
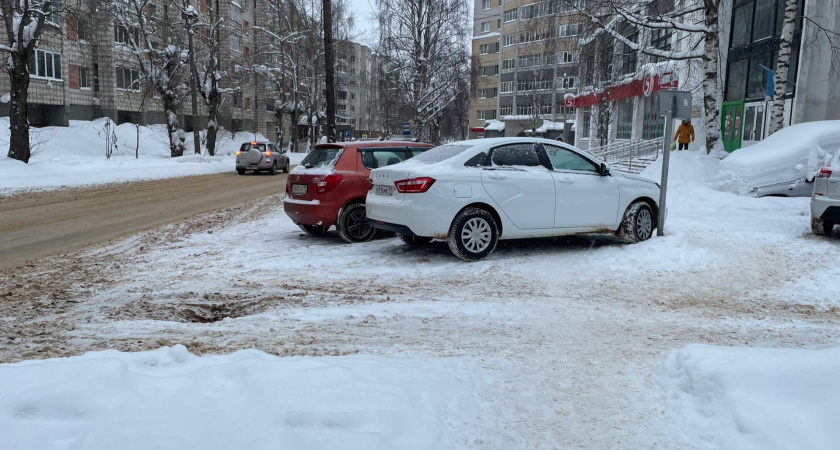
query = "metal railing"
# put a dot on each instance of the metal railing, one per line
(627, 154)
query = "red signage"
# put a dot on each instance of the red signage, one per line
(477, 129)
(633, 88)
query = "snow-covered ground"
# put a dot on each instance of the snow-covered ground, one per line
(75, 156)
(577, 342)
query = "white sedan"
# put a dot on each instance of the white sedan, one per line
(473, 193)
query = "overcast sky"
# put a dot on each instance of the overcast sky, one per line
(365, 28)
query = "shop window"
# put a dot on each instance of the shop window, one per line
(742, 23)
(736, 81)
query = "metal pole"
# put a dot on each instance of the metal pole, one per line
(669, 130)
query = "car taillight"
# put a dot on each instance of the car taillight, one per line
(414, 185)
(825, 172)
(238, 152)
(327, 183)
(370, 183)
(267, 153)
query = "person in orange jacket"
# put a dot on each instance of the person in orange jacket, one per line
(685, 134)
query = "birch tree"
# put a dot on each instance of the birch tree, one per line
(154, 46)
(24, 23)
(777, 110)
(424, 43)
(209, 72)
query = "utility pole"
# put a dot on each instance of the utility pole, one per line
(191, 16)
(330, 69)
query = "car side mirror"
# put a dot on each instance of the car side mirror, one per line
(604, 170)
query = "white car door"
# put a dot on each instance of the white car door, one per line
(584, 197)
(521, 186)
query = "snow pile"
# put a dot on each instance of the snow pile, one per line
(755, 398)
(75, 156)
(494, 125)
(793, 152)
(170, 398)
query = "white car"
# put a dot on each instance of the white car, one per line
(825, 201)
(473, 193)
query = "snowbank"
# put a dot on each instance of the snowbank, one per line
(170, 398)
(755, 398)
(75, 156)
(793, 152)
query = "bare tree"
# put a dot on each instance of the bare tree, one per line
(24, 21)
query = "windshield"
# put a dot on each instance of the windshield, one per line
(441, 153)
(321, 157)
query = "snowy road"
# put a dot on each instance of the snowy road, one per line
(562, 339)
(36, 224)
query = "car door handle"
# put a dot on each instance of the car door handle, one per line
(565, 180)
(496, 177)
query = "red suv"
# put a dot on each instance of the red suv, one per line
(330, 185)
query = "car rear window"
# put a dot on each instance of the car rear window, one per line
(321, 157)
(373, 158)
(441, 153)
(248, 146)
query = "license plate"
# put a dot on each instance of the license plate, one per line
(300, 189)
(383, 190)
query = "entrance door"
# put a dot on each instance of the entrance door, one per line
(732, 125)
(753, 124)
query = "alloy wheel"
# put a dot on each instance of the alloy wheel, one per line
(357, 225)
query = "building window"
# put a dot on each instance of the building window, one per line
(569, 57)
(236, 99)
(52, 16)
(45, 65)
(489, 71)
(270, 104)
(128, 79)
(508, 40)
(485, 4)
(506, 110)
(510, 15)
(485, 27)
(84, 32)
(508, 64)
(484, 49)
(566, 83)
(587, 122)
(507, 87)
(630, 56)
(235, 42)
(624, 128)
(486, 114)
(487, 93)
(236, 13)
(736, 81)
(122, 35)
(571, 29)
(84, 77)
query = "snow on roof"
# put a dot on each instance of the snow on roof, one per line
(793, 152)
(485, 35)
(494, 125)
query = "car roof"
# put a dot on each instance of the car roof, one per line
(373, 144)
(257, 141)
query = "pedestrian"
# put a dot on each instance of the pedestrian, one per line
(559, 138)
(685, 134)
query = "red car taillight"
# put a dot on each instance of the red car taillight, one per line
(328, 183)
(414, 185)
(370, 183)
(825, 172)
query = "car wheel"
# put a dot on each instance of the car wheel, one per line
(314, 230)
(414, 241)
(273, 170)
(240, 171)
(637, 224)
(286, 167)
(473, 234)
(821, 227)
(353, 225)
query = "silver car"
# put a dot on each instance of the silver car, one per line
(261, 155)
(825, 201)
(800, 187)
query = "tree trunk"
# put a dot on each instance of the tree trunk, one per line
(329, 66)
(213, 126)
(176, 145)
(711, 85)
(18, 119)
(777, 111)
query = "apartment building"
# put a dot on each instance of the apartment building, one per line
(526, 59)
(354, 88)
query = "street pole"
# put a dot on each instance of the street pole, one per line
(666, 157)
(193, 75)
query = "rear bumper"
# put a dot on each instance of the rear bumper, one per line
(311, 212)
(825, 209)
(260, 166)
(396, 228)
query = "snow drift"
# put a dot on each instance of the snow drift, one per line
(755, 398)
(794, 152)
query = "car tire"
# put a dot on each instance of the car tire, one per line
(273, 170)
(637, 224)
(821, 227)
(414, 241)
(286, 167)
(240, 171)
(353, 225)
(473, 234)
(314, 230)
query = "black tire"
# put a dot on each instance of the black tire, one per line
(286, 167)
(637, 224)
(353, 225)
(240, 171)
(414, 241)
(314, 230)
(473, 234)
(273, 170)
(821, 227)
